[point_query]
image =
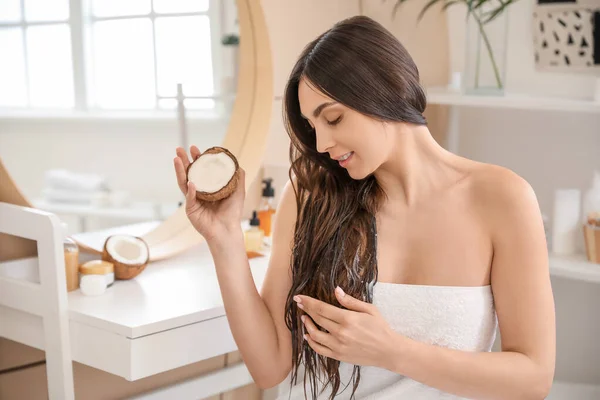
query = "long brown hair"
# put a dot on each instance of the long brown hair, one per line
(362, 65)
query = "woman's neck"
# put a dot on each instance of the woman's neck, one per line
(417, 166)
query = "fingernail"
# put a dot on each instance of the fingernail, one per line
(297, 299)
(340, 291)
(302, 318)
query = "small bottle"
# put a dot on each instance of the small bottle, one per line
(71, 261)
(253, 236)
(266, 208)
(566, 221)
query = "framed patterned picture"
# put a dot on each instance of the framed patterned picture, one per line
(566, 36)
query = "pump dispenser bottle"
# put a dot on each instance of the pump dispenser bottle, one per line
(267, 208)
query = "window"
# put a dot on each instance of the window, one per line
(35, 47)
(112, 55)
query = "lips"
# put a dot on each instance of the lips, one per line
(343, 157)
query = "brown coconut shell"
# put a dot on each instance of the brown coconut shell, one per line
(125, 271)
(226, 190)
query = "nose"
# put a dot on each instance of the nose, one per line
(324, 140)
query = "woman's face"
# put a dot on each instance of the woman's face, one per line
(360, 143)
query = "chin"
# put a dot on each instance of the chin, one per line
(358, 174)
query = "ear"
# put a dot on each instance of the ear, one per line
(352, 303)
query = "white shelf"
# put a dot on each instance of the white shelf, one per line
(574, 267)
(441, 95)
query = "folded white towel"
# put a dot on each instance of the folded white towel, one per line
(63, 179)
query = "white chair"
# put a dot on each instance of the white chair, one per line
(46, 299)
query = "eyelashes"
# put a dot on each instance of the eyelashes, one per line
(331, 123)
(335, 121)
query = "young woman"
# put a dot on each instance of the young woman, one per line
(431, 251)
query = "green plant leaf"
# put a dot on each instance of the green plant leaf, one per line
(491, 15)
(448, 4)
(396, 7)
(479, 3)
(469, 4)
(429, 4)
(472, 6)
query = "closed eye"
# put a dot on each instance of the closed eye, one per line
(335, 121)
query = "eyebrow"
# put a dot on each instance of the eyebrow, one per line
(319, 109)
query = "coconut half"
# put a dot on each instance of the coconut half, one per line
(128, 254)
(215, 173)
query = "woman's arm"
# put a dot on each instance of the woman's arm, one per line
(257, 320)
(474, 375)
(524, 303)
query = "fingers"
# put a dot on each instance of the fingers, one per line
(194, 152)
(352, 303)
(190, 197)
(323, 322)
(319, 309)
(242, 176)
(180, 173)
(319, 336)
(182, 163)
(183, 157)
(241, 187)
(318, 348)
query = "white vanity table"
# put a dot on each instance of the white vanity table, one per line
(169, 316)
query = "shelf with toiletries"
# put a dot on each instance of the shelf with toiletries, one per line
(575, 219)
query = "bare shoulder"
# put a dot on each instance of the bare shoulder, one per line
(502, 194)
(500, 183)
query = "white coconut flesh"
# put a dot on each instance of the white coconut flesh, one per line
(211, 172)
(127, 250)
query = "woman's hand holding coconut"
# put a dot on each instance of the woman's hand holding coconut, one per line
(214, 189)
